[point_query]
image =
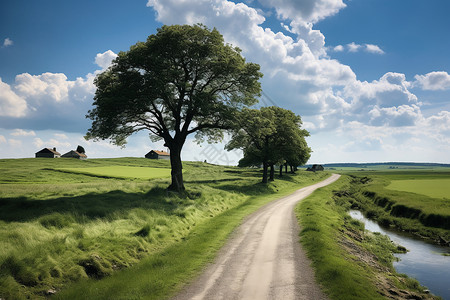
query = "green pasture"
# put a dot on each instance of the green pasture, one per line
(410, 200)
(121, 172)
(85, 236)
(436, 188)
(333, 241)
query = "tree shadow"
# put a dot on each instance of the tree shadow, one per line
(87, 207)
(211, 180)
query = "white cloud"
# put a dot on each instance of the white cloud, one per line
(433, 81)
(7, 42)
(352, 47)
(49, 100)
(11, 105)
(103, 60)
(309, 11)
(2, 139)
(21, 132)
(373, 49)
(404, 115)
(338, 48)
(54, 86)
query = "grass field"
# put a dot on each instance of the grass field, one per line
(436, 188)
(411, 200)
(86, 236)
(349, 262)
(121, 172)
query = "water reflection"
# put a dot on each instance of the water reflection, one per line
(423, 261)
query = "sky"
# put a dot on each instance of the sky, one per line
(370, 78)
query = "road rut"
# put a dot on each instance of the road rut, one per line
(263, 259)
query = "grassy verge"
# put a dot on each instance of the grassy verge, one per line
(418, 214)
(349, 262)
(79, 236)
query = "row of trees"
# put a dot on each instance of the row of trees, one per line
(186, 80)
(270, 136)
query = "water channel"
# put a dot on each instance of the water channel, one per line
(423, 261)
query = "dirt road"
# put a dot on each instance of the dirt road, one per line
(263, 259)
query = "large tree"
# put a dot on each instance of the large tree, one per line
(269, 136)
(182, 80)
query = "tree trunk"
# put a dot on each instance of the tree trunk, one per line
(292, 169)
(281, 170)
(265, 167)
(177, 184)
(272, 172)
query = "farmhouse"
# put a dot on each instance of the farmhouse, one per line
(48, 153)
(155, 154)
(74, 154)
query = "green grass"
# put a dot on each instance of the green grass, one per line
(321, 221)
(121, 172)
(436, 188)
(417, 213)
(89, 237)
(349, 262)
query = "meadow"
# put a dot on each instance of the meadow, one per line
(121, 172)
(415, 200)
(435, 188)
(349, 262)
(75, 234)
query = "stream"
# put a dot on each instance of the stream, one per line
(423, 261)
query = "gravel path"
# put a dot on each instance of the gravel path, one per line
(263, 259)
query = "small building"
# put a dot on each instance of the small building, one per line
(155, 154)
(315, 168)
(48, 153)
(74, 154)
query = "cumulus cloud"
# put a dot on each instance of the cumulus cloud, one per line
(11, 105)
(404, 115)
(103, 60)
(373, 49)
(2, 139)
(21, 132)
(54, 86)
(338, 48)
(297, 74)
(433, 81)
(309, 11)
(353, 47)
(49, 100)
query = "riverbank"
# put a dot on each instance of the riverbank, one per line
(425, 217)
(350, 263)
(428, 263)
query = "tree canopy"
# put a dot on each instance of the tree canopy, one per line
(270, 136)
(183, 80)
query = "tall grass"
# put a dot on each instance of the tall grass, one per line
(77, 228)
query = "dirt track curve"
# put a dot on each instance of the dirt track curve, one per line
(263, 259)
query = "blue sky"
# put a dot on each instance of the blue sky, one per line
(370, 78)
